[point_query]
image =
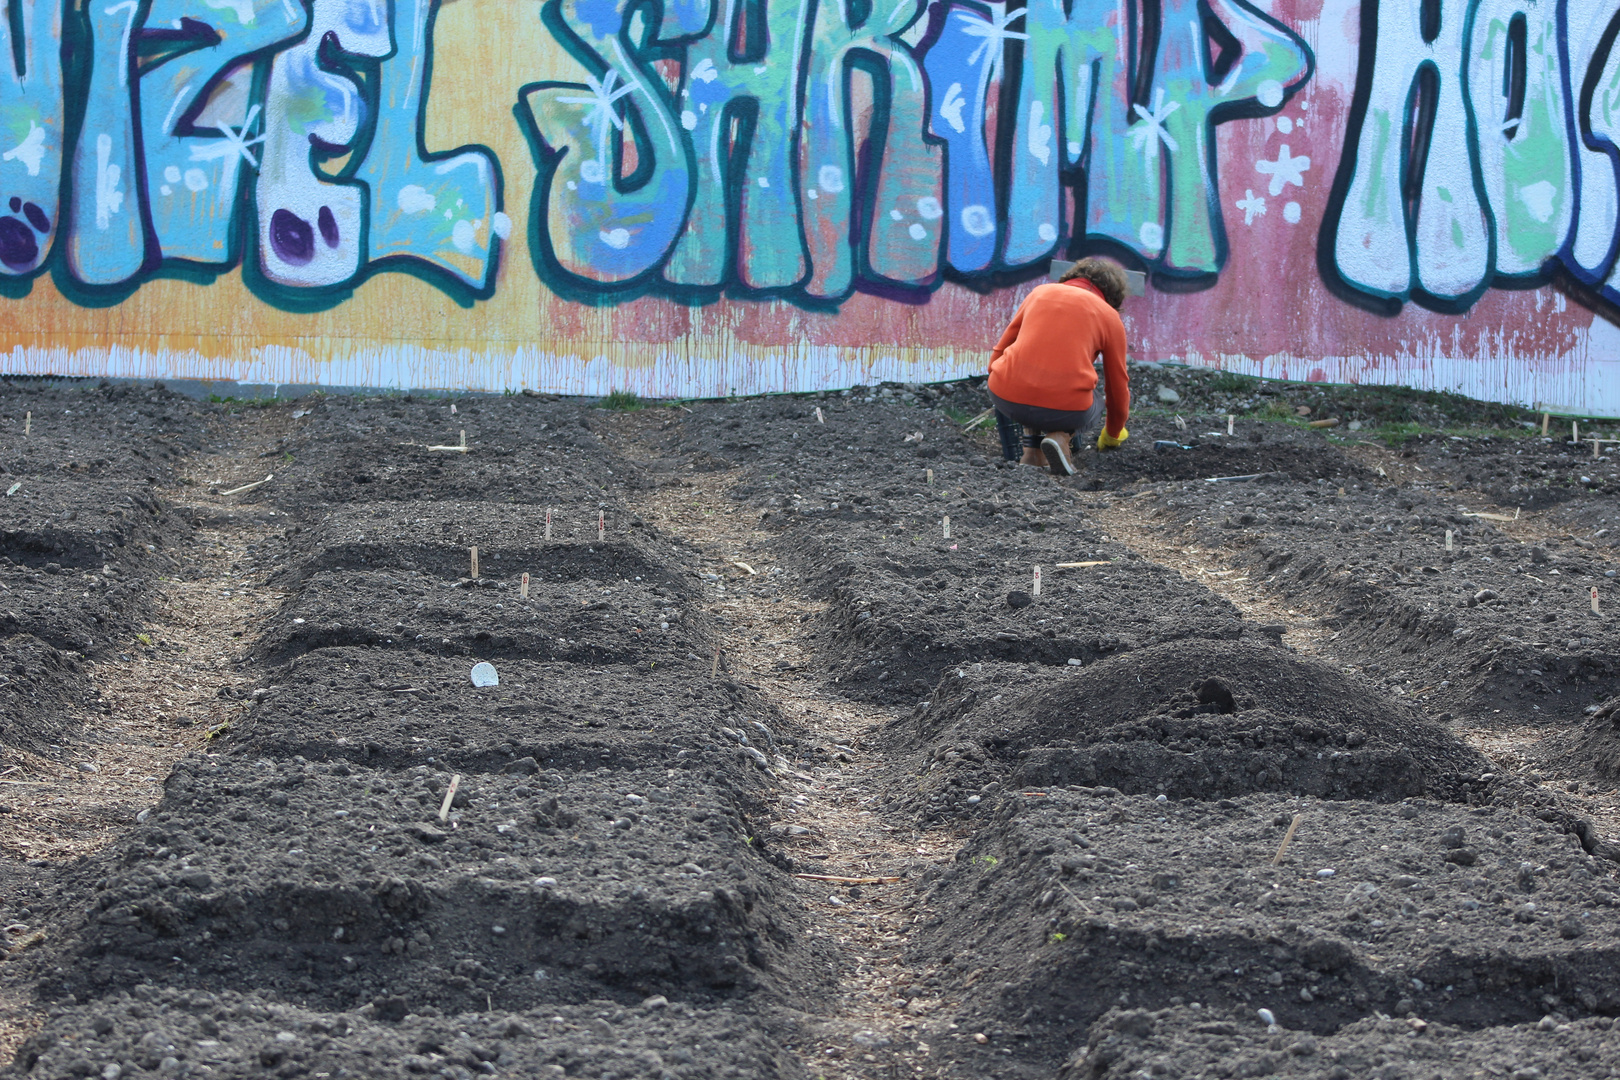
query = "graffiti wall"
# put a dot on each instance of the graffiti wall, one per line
(699, 197)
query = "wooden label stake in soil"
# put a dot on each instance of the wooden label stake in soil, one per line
(1449, 544)
(947, 526)
(452, 408)
(1288, 838)
(601, 524)
(1546, 418)
(1037, 587)
(716, 672)
(931, 475)
(449, 797)
(1574, 431)
(28, 423)
(1595, 610)
(524, 588)
(1230, 421)
(464, 438)
(819, 418)
(548, 524)
(474, 563)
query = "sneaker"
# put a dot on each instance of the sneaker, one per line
(1057, 457)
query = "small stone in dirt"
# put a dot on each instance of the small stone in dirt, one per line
(1524, 913)
(483, 674)
(1452, 837)
(981, 1038)
(871, 1038)
(1461, 857)
(1570, 928)
(426, 833)
(1168, 396)
(1019, 599)
(525, 766)
(657, 1001)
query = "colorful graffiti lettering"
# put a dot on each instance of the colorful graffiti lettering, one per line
(184, 103)
(775, 181)
(1481, 150)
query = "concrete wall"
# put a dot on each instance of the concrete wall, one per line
(690, 197)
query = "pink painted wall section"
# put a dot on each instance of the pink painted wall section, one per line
(811, 196)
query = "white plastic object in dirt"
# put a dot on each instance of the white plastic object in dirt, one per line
(483, 674)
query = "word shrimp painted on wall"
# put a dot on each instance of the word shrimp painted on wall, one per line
(803, 147)
(286, 131)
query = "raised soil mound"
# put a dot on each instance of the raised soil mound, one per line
(1204, 720)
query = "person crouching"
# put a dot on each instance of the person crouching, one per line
(1043, 371)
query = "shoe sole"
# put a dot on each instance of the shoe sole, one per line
(1056, 459)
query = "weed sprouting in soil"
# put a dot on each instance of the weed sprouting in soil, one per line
(623, 401)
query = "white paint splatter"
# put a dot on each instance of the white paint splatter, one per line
(917, 232)
(464, 236)
(196, 180)
(1284, 124)
(830, 178)
(1538, 198)
(618, 239)
(30, 151)
(1046, 231)
(1152, 235)
(502, 224)
(688, 119)
(977, 220)
(1252, 205)
(109, 200)
(1040, 134)
(1269, 93)
(928, 208)
(1291, 213)
(951, 108)
(415, 199)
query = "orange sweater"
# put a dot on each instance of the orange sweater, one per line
(1047, 355)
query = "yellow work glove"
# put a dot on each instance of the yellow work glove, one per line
(1106, 441)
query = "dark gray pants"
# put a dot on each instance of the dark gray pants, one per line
(1036, 420)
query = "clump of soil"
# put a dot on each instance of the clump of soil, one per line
(1211, 720)
(1592, 750)
(1078, 901)
(232, 1034)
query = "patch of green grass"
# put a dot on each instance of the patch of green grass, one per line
(1229, 382)
(623, 401)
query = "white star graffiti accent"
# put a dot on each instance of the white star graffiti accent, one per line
(233, 143)
(1285, 170)
(1151, 133)
(603, 117)
(994, 34)
(1252, 206)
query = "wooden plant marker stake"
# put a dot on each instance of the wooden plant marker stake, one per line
(28, 423)
(449, 797)
(1230, 421)
(1595, 610)
(1037, 591)
(475, 564)
(601, 525)
(524, 588)
(1574, 431)
(1449, 545)
(716, 672)
(1288, 838)
(1546, 418)
(548, 524)
(931, 471)
(452, 408)
(947, 526)
(249, 487)
(1081, 565)
(819, 418)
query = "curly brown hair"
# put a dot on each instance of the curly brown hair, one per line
(1108, 276)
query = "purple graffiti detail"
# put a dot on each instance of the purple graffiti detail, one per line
(16, 204)
(328, 226)
(292, 237)
(36, 217)
(18, 248)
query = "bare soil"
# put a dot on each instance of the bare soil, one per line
(780, 779)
